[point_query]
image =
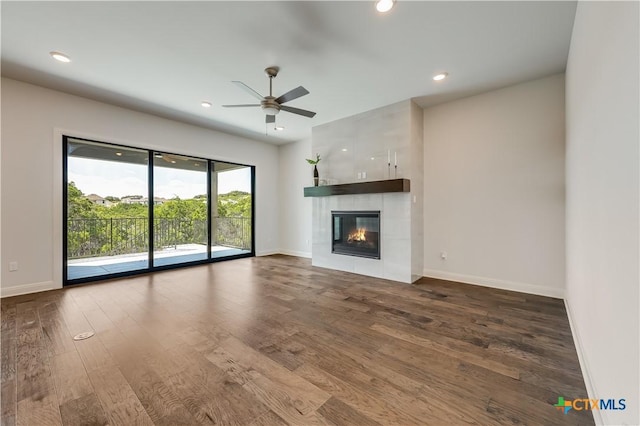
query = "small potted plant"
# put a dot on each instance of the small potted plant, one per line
(315, 162)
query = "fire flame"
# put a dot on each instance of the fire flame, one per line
(359, 235)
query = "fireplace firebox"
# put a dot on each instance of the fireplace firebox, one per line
(356, 233)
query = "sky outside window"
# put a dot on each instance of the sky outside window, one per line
(120, 179)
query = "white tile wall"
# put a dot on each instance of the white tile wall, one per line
(368, 138)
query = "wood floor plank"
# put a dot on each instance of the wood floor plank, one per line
(57, 337)
(268, 419)
(8, 342)
(178, 417)
(72, 315)
(229, 406)
(8, 364)
(273, 341)
(158, 399)
(70, 378)
(44, 411)
(83, 411)
(281, 401)
(36, 396)
(108, 333)
(120, 403)
(8, 397)
(340, 413)
(93, 353)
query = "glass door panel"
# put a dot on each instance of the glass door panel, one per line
(180, 209)
(232, 210)
(106, 212)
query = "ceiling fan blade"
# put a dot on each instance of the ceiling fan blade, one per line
(298, 111)
(270, 119)
(241, 105)
(248, 89)
(292, 94)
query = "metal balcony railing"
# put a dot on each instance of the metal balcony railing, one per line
(110, 237)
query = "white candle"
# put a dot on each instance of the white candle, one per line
(389, 156)
(395, 154)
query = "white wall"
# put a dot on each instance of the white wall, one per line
(33, 120)
(295, 210)
(494, 188)
(602, 201)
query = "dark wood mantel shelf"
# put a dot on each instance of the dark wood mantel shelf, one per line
(374, 187)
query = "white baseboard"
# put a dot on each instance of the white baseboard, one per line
(287, 252)
(495, 283)
(588, 382)
(296, 253)
(267, 252)
(27, 288)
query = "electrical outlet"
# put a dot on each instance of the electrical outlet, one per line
(13, 266)
(359, 175)
(364, 175)
(443, 255)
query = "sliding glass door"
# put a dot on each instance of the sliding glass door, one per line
(180, 209)
(130, 210)
(107, 219)
(232, 215)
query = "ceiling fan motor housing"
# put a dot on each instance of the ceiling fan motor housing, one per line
(269, 105)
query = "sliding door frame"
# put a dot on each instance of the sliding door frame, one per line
(150, 196)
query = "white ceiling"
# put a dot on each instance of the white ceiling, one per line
(166, 57)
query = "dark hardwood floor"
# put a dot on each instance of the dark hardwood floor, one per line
(274, 341)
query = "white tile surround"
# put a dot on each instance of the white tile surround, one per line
(396, 128)
(395, 235)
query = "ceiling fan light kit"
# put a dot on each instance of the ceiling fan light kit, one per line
(271, 105)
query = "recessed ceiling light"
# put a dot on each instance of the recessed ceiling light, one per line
(60, 57)
(173, 161)
(344, 149)
(206, 104)
(278, 128)
(119, 154)
(440, 76)
(384, 5)
(158, 155)
(373, 158)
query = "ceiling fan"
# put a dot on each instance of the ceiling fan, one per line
(270, 104)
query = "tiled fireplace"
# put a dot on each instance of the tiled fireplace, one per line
(356, 233)
(372, 162)
(394, 237)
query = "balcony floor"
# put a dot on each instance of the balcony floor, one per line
(105, 265)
